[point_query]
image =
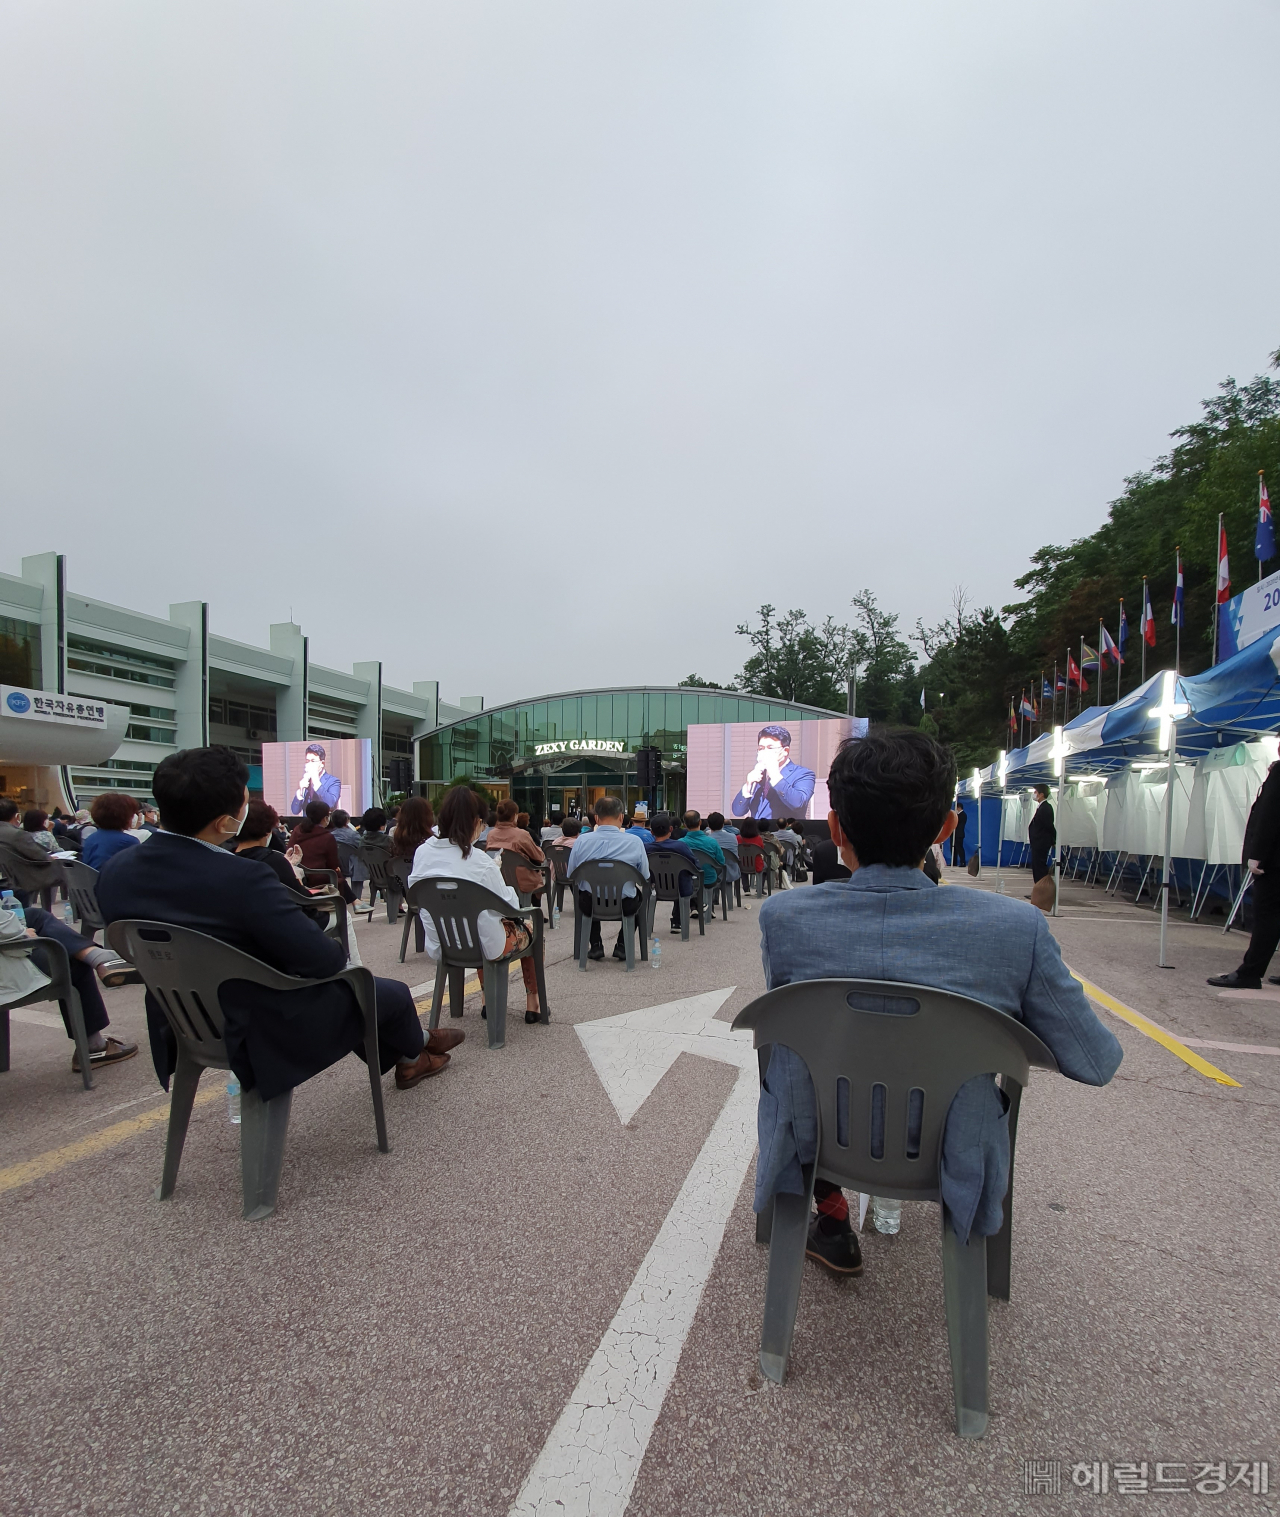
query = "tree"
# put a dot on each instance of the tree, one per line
(888, 674)
(696, 682)
(796, 661)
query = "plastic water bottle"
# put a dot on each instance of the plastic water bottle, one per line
(655, 953)
(13, 904)
(886, 1214)
(68, 913)
(233, 1100)
(555, 913)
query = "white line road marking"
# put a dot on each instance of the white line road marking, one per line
(1231, 1047)
(37, 1017)
(589, 1463)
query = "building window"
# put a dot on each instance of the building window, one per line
(141, 734)
(118, 671)
(233, 711)
(20, 653)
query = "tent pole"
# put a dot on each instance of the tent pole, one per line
(1057, 847)
(1168, 846)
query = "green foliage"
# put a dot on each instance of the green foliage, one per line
(1213, 467)
(973, 671)
(696, 682)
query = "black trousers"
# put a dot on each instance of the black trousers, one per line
(1266, 927)
(400, 1034)
(1039, 862)
(675, 908)
(630, 905)
(957, 853)
(83, 977)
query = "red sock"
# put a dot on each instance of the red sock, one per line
(830, 1201)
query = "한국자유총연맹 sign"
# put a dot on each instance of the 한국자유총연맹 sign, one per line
(578, 745)
(43, 706)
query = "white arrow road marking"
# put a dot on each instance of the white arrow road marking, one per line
(589, 1463)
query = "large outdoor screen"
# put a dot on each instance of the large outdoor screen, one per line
(337, 771)
(765, 769)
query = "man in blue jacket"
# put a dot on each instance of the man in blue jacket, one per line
(275, 1039)
(316, 784)
(891, 795)
(776, 786)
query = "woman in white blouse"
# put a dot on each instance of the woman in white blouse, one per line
(454, 856)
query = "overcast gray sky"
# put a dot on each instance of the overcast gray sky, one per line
(534, 345)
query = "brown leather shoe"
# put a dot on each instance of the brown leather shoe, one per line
(116, 1051)
(442, 1039)
(422, 1068)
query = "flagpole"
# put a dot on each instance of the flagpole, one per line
(1142, 627)
(1099, 663)
(1054, 722)
(1080, 710)
(1177, 641)
(1120, 650)
(1217, 575)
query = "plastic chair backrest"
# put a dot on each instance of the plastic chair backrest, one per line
(605, 879)
(184, 970)
(347, 856)
(454, 906)
(559, 862)
(378, 860)
(509, 861)
(750, 857)
(886, 1060)
(82, 888)
(665, 870)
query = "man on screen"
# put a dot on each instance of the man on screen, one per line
(776, 786)
(316, 784)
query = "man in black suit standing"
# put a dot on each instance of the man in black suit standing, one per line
(275, 1039)
(957, 839)
(1041, 834)
(1262, 860)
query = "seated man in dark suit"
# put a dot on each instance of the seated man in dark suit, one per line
(660, 826)
(185, 877)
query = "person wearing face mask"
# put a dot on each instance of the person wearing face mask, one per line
(186, 877)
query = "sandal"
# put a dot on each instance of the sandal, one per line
(116, 972)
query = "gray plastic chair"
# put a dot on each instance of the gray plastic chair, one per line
(82, 892)
(870, 1047)
(454, 907)
(665, 871)
(185, 970)
(333, 904)
(60, 989)
(558, 859)
(748, 852)
(377, 858)
(509, 860)
(604, 878)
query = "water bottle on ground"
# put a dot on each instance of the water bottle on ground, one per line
(886, 1215)
(233, 1099)
(10, 902)
(655, 952)
(68, 914)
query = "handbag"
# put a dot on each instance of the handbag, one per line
(972, 866)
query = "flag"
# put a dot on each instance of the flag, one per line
(922, 700)
(1147, 622)
(1027, 709)
(1013, 720)
(1124, 631)
(1175, 612)
(1074, 676)
(1046, 689)
(1062, 684)
(1088, 658)
(1109, 649)
(1224, 570)
(1264, 539)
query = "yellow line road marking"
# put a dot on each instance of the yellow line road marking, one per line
(95, 1143)
(1153, 1030)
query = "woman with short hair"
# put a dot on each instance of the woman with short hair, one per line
(113, 815)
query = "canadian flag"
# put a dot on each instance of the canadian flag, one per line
(1224, 572)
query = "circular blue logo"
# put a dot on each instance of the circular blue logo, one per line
(18, 702)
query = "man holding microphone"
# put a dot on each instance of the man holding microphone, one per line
(776, 786)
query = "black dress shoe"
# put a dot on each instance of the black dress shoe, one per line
(595, 953)
(837, 1249)
(1273, 979)
(1233, 981)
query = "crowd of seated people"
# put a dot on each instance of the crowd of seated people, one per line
(187, 876)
